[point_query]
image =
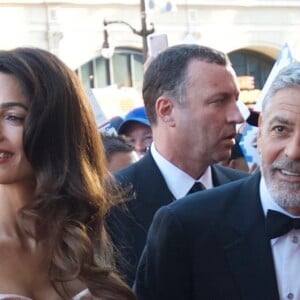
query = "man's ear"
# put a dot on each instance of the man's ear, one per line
(165, 110)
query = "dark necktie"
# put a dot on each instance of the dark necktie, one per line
(198, 186)
(278, 224)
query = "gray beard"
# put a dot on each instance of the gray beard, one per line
(286, 195)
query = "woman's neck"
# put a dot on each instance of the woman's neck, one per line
(13, 197)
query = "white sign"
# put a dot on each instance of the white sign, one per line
(284, 58)
(98, 112)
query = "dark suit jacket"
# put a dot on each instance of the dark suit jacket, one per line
(209, 245)
(149, 192)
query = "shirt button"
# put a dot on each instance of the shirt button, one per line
(295, 239)
(290, 296)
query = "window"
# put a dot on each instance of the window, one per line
(124, 69)
(251, 63)
(101, 74)
(252, 69)
(86, 75)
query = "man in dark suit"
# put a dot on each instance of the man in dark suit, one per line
(240, 240)
(190, 95)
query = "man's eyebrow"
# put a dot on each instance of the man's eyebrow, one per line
(12, 104)
(281, 120)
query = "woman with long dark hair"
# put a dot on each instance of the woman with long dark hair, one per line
(53, 195)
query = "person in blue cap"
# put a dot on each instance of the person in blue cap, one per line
(136, 128)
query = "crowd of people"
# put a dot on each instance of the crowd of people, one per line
(164, 208)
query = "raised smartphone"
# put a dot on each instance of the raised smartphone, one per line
(157, 42)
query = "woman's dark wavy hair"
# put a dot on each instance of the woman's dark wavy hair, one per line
(63, 146)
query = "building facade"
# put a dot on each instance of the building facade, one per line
(252, 32)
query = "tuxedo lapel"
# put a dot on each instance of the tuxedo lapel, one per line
(247, 249)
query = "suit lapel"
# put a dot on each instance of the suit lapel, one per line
(218, 177)
(247, 249)
(151, 190)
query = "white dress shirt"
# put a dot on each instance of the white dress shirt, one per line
(178, 182)
(286, 252)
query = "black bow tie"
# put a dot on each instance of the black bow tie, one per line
(278, 224)
(198, 186)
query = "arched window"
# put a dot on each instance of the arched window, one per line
(252, 69)
(251, 63)
(124, 69)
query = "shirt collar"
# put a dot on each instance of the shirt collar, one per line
(178, 176)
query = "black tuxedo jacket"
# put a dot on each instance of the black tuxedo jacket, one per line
(209, 245)
(148, 191)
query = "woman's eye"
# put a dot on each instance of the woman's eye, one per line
(14, 118)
